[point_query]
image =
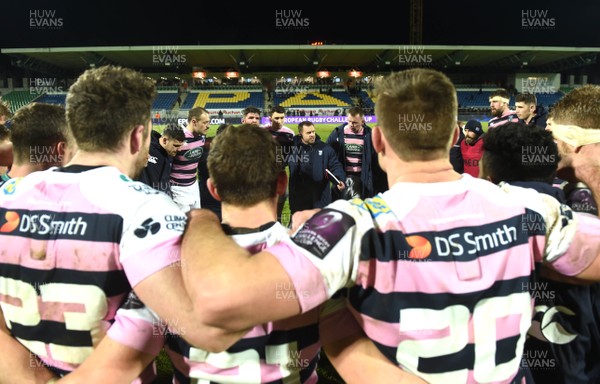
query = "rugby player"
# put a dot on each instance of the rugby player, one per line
(437, 266)
(75, 240)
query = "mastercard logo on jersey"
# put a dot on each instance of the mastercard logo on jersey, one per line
(12, 222)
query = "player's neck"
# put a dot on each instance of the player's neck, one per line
(249, 217)
(21, 170)
(113, 159)
(432, 171)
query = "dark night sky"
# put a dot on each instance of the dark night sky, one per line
(94, 23)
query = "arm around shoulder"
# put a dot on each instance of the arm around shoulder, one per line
(245, 290)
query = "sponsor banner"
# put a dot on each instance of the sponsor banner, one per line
(318, 119)
(289, 120)
(182, 122)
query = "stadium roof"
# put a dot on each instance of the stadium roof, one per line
(302, 58)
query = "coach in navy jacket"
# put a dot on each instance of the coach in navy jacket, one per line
(309, 182)
(160, 158)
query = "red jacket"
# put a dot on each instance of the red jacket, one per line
(471, 155)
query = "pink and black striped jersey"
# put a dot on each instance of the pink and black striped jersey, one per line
(185, 162)
(440, 274)
(283, 135)
(507, 117)
(285, 351)
(354, 144)
(73, 242)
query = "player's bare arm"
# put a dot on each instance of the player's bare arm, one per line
(182, 312)
(353, 355)
(233, 289)
(586, 245)
(111, 362)
(359, 361)
(17, 364)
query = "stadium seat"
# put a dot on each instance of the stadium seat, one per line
(18, 99)
(224, 100)
(337, 99)
(55, 98)
(164, 100)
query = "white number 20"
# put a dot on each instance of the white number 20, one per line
(486, 315)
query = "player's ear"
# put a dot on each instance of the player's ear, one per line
(61, 151)
(61, 148)
(456, 135)
(137, 139)
(377, 138)
(212, 189)
(282, 181)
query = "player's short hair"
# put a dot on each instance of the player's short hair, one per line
(36, 129)
(244, 164)
(417, 111)
(222, 127)
(518, 152)
(303, 124)
(250, 109)
(501, 92)
(527, 98)
(106, 103)
(196, 113)
(355, 111)
(277, 109)
(5, 109)
(579, 107)
(4, 133)
(174, 132)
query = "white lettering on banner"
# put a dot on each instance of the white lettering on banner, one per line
(319, 119)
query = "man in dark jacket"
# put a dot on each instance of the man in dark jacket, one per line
(456, 158)
(528, 111)
(313, 165)
(354, 149)
(162, 149)
(208, 201)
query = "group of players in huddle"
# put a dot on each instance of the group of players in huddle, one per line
(434, 280)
